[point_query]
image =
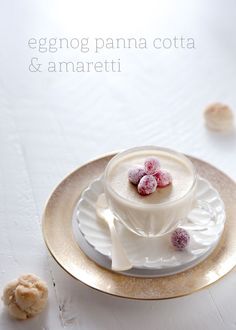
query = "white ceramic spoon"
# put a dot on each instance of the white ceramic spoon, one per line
(120, 261)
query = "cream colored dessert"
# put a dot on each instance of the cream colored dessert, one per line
(163, 210)
(219, 117)
(180, 171)
(25, 297)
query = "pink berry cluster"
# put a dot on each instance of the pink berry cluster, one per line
(149, 177)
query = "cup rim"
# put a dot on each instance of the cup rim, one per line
(148, 206)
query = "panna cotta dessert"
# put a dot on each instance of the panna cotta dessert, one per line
(170, 183)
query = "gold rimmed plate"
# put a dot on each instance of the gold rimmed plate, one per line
(58, 235)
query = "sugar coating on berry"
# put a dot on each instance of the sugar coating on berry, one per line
(135, 174)
(147, 185)
(151, 165)
(180, 238)
(163, 178)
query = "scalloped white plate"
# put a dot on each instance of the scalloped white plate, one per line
(151, 254)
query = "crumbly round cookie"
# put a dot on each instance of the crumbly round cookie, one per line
(218, 117)
(25, 297)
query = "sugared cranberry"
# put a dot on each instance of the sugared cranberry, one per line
(151, 165)
(180, 238)
(135, 174)
(147, 185)
(163, 178)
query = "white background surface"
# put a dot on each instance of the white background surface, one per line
(52, 123)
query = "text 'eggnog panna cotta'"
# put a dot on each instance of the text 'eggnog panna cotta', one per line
(150, 189)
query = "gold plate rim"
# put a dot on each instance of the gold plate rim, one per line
(66, 252)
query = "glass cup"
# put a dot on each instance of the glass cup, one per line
(145, 219)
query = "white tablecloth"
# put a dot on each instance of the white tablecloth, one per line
(50, 123)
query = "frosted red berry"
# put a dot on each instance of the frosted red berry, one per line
(163, 178)
(151, 165)
(147, 185)
(135, 174)
(180, 238)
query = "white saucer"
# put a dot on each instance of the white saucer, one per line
(151, 256)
